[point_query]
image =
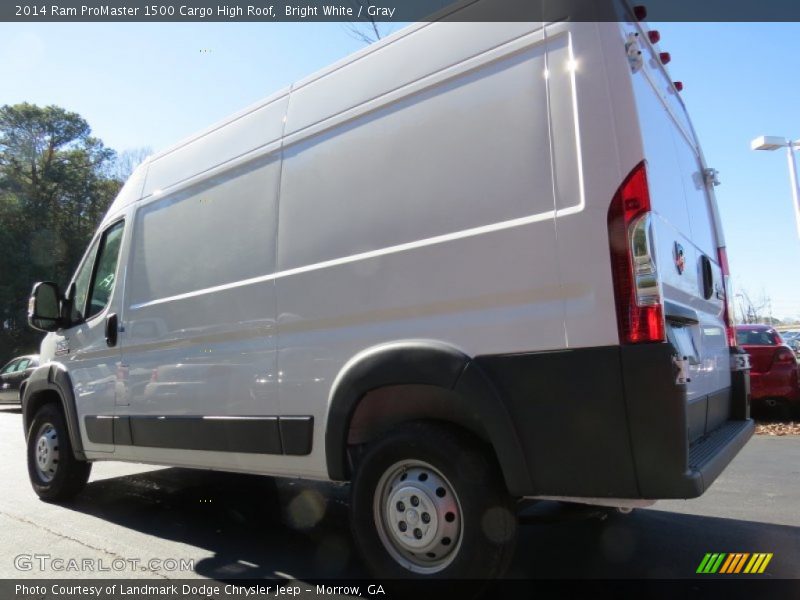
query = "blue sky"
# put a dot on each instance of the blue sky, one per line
(152, 84)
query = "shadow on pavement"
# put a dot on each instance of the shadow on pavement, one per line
(258, 527)
(647, 544)
(255, 526)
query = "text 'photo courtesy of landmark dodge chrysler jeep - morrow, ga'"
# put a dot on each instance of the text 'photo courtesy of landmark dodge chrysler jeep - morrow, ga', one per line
(471, 263)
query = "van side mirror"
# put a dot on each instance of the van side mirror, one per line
(44, 307)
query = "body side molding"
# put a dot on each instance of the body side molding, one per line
(287, 435)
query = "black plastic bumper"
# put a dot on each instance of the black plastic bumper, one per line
(611, 422)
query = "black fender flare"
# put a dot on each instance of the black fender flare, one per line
(423, 362)
(52, 377)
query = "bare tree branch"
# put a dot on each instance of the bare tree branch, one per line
(366, 29)
(127, 161)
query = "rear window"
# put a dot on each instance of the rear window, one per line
(758, 337)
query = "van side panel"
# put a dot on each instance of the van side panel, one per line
(199, 334)
(225, 224)
(430, 236)
(586, 156)
(242, 134)
(415, 58)
(488, 126)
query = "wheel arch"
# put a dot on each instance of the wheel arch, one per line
(51, 383)
(455, 381)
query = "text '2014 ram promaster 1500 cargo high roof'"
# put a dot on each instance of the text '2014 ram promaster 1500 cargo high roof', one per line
(472, 263)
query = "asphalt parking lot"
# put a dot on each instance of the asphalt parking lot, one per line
(229, 526)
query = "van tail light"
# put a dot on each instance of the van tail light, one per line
(154, 376)
(784, 356)
(640, 313)
(730, 332)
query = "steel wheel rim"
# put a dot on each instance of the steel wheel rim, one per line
(46, 452)
(418, 517)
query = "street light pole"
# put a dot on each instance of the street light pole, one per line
(793, 177)
(771, 142)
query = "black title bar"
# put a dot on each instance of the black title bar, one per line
(393, 10)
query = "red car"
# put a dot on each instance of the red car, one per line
(774, 376)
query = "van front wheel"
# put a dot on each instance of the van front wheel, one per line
(55, 474)
(429, 502)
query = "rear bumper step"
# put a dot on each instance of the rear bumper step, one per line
(709, 455)
(703, 450)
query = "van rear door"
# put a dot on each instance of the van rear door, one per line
(686, 245)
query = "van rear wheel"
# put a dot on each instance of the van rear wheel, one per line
(429, 502)
(55, 474)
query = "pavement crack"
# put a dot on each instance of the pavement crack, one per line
(111, 553)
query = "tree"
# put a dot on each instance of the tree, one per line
(754, 311)
(127, 161)
(366, 29)
(56, 183)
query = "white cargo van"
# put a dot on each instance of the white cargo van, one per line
(472, 263)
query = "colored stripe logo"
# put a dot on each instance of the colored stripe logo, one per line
(733, 563)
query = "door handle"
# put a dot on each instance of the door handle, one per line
(111, 330)
(708, 277)
(680, 314)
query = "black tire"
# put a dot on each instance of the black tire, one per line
(487, 523)
(67, 475)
